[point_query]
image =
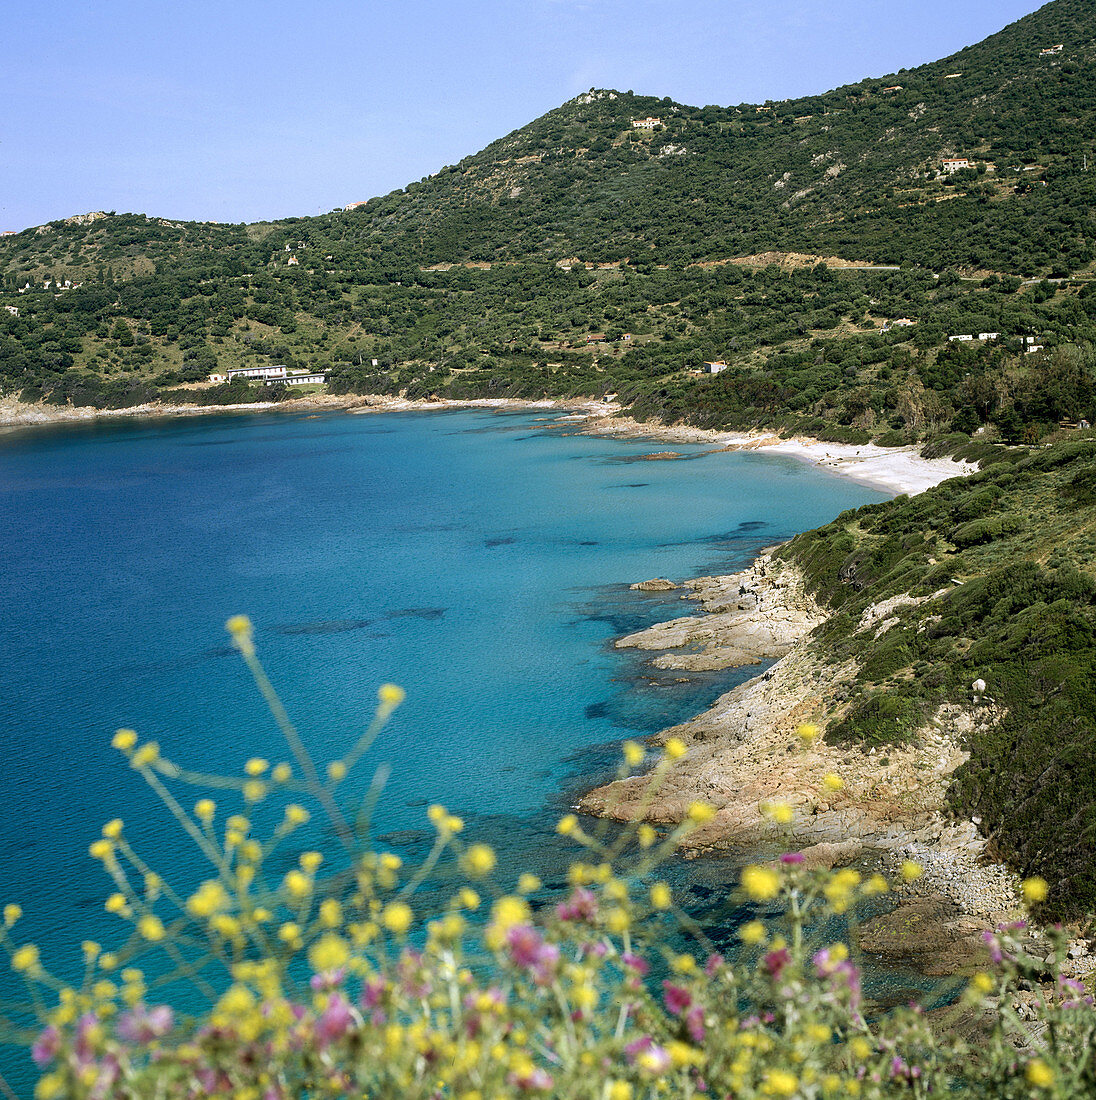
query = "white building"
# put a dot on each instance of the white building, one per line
(956, 165)
(277, 371)
(298, 380)
(714, 368)
(645, 123)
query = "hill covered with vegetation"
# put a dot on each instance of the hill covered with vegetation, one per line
(583, 255)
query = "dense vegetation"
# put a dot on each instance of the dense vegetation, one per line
(582, 256)
(1007, 559)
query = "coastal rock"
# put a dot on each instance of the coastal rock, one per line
(747, 617)
(657, 584)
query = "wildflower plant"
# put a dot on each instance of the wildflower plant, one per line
(335, 977)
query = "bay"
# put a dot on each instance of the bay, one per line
(479, 559)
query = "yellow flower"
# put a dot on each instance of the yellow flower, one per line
(779, 1082)
(780, 812)
(116, 903)
(151, 927)
(256, 766)
(330, 952)
(661, 898)
(391, 695)
(204, 809)
(296, 815)
(646, 835)
(468, 898)
(761, 883)
(209, 898)
(101, 849)
(297, 884)
(282, 773)
(397, 917)
(1039, 1074)
(478, 861)
(620, 1090)
(983, 982)
(675, 748)
(567, 825)
(25, 958)
(310, 861)
(1035, 889)
(753, 933)
(330, 913)
(701, 813)
(336, 771)
(633, 754)
(254, 790)
(124, 740)
(146, 755)
(113, 829)
(508, 911)
(860, 1048)
(12, 913)
(238, 624)
(808, 733)
(832, 782)
(877, 884)
(911, 870)
(528, 883)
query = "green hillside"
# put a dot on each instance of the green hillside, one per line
(581, 255)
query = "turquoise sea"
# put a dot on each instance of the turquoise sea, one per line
(479, 559)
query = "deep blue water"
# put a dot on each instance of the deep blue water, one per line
(478, 559)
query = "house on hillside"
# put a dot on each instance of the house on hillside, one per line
(277, 370)
(292, 262)
(713, 368)
(645, 123)
(1051, 50)
(956, 165)
(356, 205)
(892, 89)
(307, 379)
(13, 310)
(218, 379)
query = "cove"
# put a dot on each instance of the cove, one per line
(479, 559)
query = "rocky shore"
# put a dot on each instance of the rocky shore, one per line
(746, 753)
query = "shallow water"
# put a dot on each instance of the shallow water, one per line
(479, 559)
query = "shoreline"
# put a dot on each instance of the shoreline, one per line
(744, 753)
(891, 469)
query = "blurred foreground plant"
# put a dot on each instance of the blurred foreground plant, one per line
(341, 984)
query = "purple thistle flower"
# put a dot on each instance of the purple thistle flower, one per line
(791, 857)
(143, 1024)
(694, 1023)
(46, 1046)
(336, 1021)
(677, 999)
(775, 962)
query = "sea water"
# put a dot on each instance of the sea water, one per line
(479, 559)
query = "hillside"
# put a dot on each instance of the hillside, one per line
(582, 255)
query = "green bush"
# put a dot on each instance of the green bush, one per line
(878, 719)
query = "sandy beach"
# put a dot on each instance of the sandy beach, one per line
(895, 470)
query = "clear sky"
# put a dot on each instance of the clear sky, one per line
(236, 110)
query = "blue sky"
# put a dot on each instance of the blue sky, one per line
(240, 111)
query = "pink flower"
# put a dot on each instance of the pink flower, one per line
(694, 1023)
(712, 965)
(537, 1080)
(336, 1021)
(529, 952)
(581, 905)
(775, 961)
(677, 999)
(46, 1046)
(792, 857)
(372, 993)
(142, 1024)
(634, 962)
